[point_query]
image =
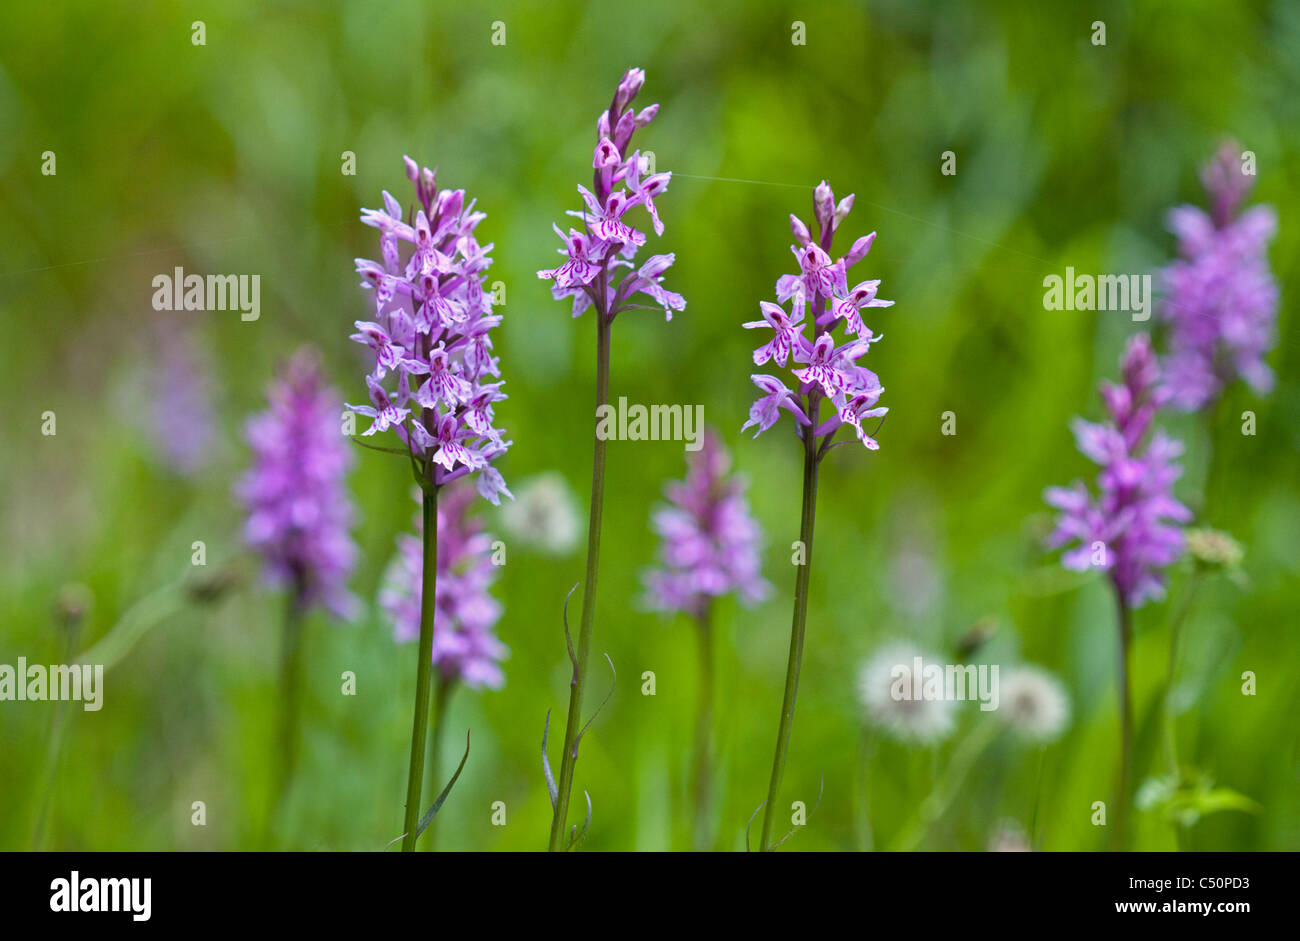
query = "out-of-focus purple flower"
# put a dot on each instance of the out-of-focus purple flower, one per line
(431, 336)
(709, 541)
(465, 649)
(299, 512)
(182, 423)
(821, 367)
(1220, 296)
(607, 243)
(1132, 529)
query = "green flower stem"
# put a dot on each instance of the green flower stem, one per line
(138, 620)
(441, 697)
(424, 668)
(801, 582)
(702, 771)
(947, 785)
(1214, 417)
(578, 682)
(1175, 633)
(290, 682)
(1038, 799)
(1126, 724)
(54, 750)
(862, 792)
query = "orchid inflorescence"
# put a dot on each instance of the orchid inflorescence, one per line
(1221, 298)
(1132, 529)
(709, 540)
(432, 331)
(606, 242)
(295, 492)
(829, 370)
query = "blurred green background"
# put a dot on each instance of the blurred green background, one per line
(226, 158)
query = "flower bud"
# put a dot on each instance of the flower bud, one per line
(628, 87)
(824, 206)
(859, 250)
(843, 208)
(646, 115)
(800, 230)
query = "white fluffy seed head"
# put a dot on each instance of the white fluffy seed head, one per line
(1033, 704)
(909, 720)
(545, 515)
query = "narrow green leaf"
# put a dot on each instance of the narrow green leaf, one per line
(437, 803)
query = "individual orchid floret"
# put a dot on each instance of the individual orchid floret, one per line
(1221, 297)
(299, 512)
(767, 409)
(787, 331)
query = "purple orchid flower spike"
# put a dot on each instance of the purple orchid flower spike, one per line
(1132, 530)
(599, 272)
(1221, 298)
(709, 540)
(299, 512)
(433, 383)
(180, 418)
(820, 370)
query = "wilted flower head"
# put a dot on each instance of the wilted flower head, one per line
(911, 719)
(1214, 549)
(1033, 704)
(299, 511)
(622, 180)
(829, 368)
(432, 381)
(1132, 529)
(1220, 296)
(545, 514)
(72, 604)
(465, 648)
(709, 541)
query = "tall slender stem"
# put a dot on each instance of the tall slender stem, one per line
(863, 836)
(1175, 633)
(702, 772)
(1126, 722)
(801, 583)
(424, 668)
(54, 745)
(578, 681)
(1213, 417)
(290, 682)
(441, 696)
(945, 787)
